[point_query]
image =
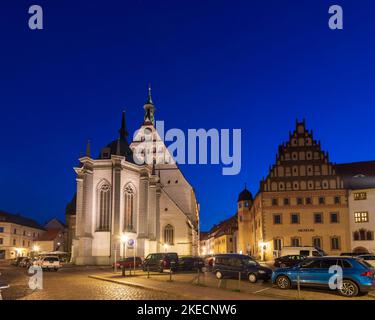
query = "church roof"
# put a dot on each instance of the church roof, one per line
(119, 146)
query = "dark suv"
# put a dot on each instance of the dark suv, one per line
(231, 265)
(288, 261)
(160, 261)
(190, 263)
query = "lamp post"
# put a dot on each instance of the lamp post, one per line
(124, 239)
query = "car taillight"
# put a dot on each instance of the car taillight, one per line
(165, 263)
(367, 274)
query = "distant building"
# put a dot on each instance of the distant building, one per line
(70, 220)
(301, 202)
(359, 179)
(17, 235)
(204, 247)
(222, 238)
(54, 239)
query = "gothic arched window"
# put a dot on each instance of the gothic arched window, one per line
(129, 209)
(104, 208)
(169, 234)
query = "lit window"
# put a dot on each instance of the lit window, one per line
(360, 196)
(295, 242)
(361, 217)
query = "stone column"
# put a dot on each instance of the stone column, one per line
(152, 210)
(143, 204)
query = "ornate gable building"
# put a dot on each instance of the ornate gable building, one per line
(118, 200)
(301, 202)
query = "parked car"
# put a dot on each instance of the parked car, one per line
(129, 262)
(230, 265)
(288, 261)
(25, 263)
(369, 258)
(190, 263)
(302, 251)
(358, 275)
(160, 262)
(48, 263)
(16, 262)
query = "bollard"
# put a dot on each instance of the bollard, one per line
(148, 272)
(170, 273)
(198, 280)
(123, 271)
(239, 281)
(298, 287)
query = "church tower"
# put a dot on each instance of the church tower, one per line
(149, 118)
(244, 205)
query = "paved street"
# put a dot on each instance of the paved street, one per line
(73, 284)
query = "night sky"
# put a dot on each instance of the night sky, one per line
(254, 65)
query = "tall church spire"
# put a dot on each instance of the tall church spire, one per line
(149, 109)
(122, 131)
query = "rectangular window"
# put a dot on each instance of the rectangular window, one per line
(277, 218)
(274, 202)
(24, 232)
(334, 217)
(1, 240)
(308, 200)
(286, 201)
(299, 201)
(337, 200)
(317, 242)
(335, 243)
(14, 231)
(360, 196)
(14, 242)
(318, 217)
(277, 244)
(294, 218)
(361, 217)
(295, 241)
(322, 200)
(1, 229)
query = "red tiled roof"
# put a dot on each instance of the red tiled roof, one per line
(49, 235)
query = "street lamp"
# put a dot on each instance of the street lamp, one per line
(36, 248)
(165, 247)
(124, 239)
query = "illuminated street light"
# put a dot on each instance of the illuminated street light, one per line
(36, 248)
(165, 247)
(124, 239)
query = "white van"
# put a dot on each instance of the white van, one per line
(302, 251)
(49, 263)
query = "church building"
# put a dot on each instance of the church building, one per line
(123, 208)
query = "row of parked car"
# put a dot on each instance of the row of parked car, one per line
(45, 262)
(358, 272)
(162, 261)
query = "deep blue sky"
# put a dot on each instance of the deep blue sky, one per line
(254, 65)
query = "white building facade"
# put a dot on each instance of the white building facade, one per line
(359, 179)
(124, 208)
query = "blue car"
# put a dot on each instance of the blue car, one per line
(357, 275)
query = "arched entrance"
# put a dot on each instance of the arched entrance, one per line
(358, 250)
